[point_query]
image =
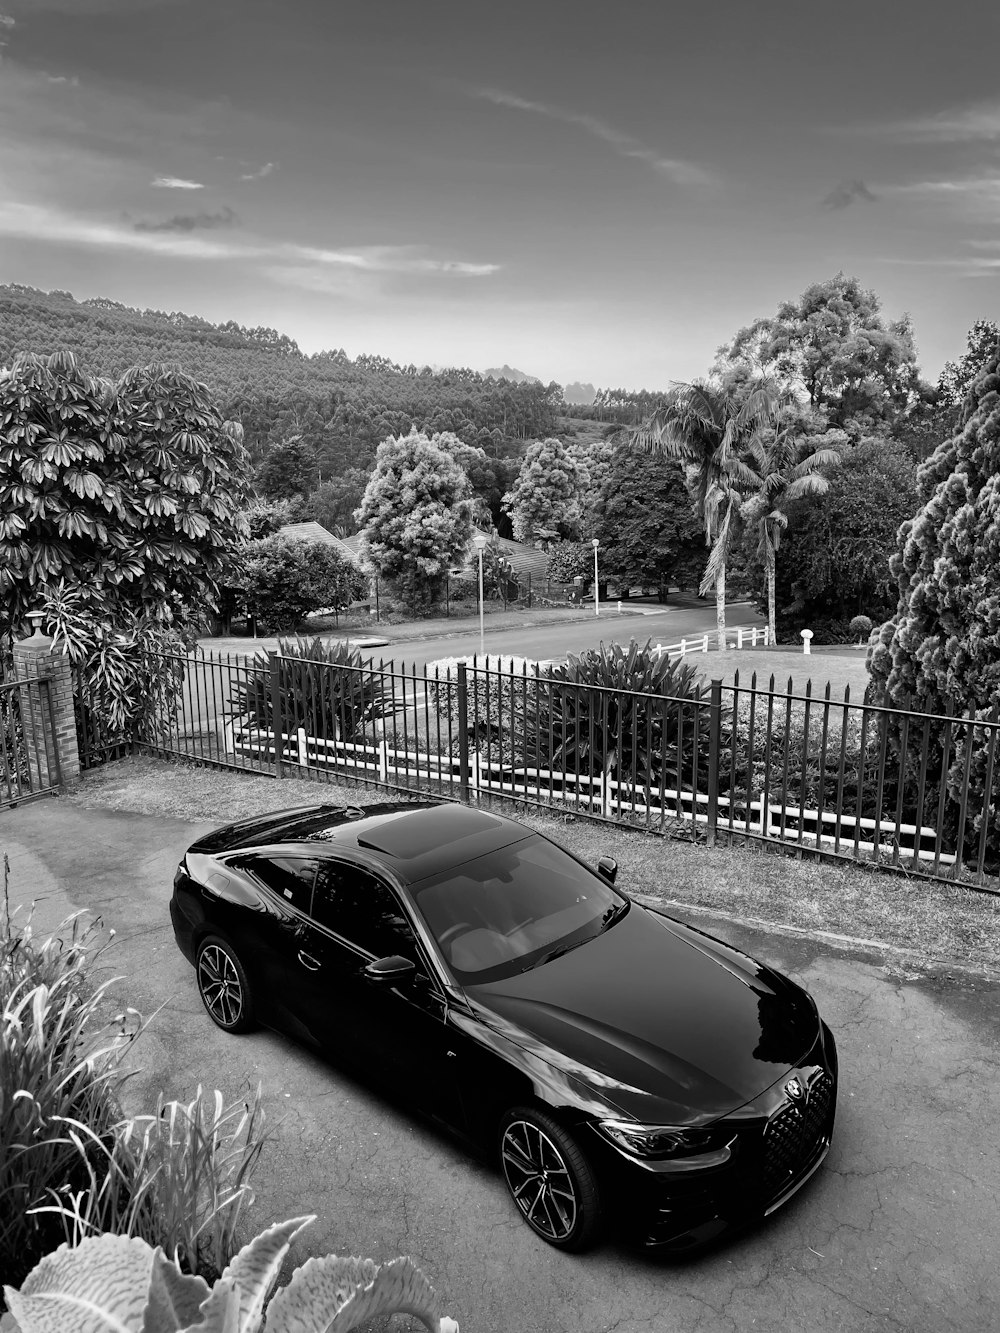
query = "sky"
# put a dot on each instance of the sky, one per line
(587, 191)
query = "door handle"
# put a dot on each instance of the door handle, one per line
(307, 960)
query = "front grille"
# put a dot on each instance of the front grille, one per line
(794, 1131)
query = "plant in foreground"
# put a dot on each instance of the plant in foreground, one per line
(121, 1283)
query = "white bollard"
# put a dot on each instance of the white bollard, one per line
(619, 606)
(806, 640)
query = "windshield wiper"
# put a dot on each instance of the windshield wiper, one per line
(612, 914)
(557, 952)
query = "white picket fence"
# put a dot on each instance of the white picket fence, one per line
(752, 636)
(600, 795)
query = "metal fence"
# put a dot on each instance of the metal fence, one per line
(902, 789)
(29, 754)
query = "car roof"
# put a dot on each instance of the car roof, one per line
(414, 839)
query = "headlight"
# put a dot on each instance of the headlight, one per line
(657, 1141)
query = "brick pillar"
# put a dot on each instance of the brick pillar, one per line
(34, 660)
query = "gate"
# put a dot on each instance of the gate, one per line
(29, 755)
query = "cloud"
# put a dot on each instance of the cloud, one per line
(674, 169)
(971, 124)
(7, 22)
(260, 173)
(847, 193)
(175, 183)
(40, 222)
(71, 80)
(192, 222)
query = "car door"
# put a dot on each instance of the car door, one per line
(277, 957)
(396, 1033)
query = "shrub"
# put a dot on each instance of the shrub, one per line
(631, 713)
(70, 1163)
(326, 687)
(463, 588)
(125, 1284)
(569, 560)
(281, 580)
(861, 628)
(58, 1065)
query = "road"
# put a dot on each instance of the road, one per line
(897, 1233)
(544, 642)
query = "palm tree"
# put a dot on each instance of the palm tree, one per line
(781, 474)
(710, 429)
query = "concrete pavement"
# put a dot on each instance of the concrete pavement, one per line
(898, 1232)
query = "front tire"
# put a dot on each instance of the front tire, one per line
(550, 1180)
(223, 986)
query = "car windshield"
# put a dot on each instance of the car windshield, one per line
(514, 909)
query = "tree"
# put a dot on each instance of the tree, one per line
(544, 502)
(334, 501)
(129, 492)
(281, 580)
(477, 467)
(290, 468)
(942, 646)
(415, 517)
(833, 346)
(957, 377)
(783, 472)
(649, 530)
(837, 547)
(706, 427)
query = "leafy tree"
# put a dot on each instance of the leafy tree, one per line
(834, 346)
(707, 427)
(265, 517)
(477, 467)
(957, 377)
(544, 502)
(837, 546)
(942, 646)
(289, 469)
(649, 530)
(130, 491)
(334, 501)
(415, 517)
(281, 580)
(785, 469)
(570, 560)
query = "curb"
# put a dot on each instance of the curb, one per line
(845, 943)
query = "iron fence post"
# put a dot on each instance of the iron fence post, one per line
(714, 746)
(277, 728)
(463, 731)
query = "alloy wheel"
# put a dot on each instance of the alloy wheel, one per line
(220, 986)
(539, 1180)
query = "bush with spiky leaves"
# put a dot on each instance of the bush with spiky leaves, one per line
(628, 712)
(326, 687)
(941, 649)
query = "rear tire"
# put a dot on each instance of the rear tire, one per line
(550, 1180)
(223, 986)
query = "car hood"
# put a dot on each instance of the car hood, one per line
(657, 1019)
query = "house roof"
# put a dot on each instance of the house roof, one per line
(315, 532)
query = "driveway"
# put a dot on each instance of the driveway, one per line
(899, 1231)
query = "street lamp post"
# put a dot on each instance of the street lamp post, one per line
(595, 543)
(480, 542)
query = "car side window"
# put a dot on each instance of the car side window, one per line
(362, 909)
(290, 877)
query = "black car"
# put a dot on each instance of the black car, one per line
(620, 1065)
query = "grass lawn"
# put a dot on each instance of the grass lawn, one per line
(840, 668)
(935, 921)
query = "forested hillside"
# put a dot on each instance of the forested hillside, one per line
(339, 408)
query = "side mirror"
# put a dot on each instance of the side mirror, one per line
(607, 868)
(390, 970)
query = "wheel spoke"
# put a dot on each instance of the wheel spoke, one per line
(539, 1180)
